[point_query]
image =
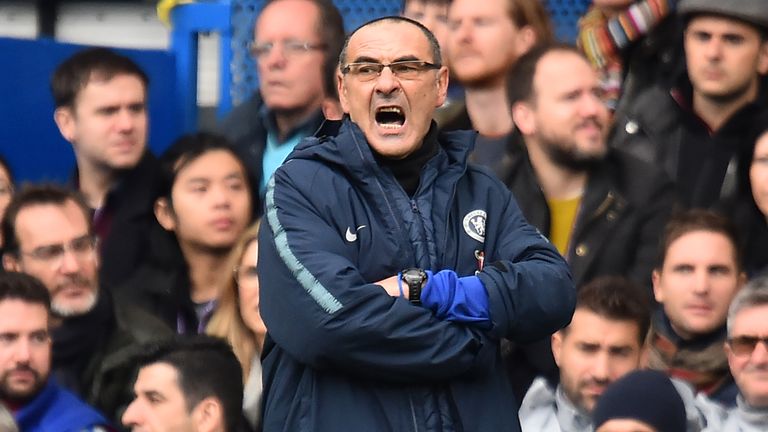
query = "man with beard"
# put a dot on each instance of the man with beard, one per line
(602, 209)
(604, 341)
(38, 403)
(49, 235)
(695, 129)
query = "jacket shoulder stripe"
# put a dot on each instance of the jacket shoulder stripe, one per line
(306, 279)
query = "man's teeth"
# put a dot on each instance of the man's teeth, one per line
(392, 110)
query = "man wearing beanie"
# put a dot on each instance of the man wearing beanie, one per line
(640, 401)
(694, 129)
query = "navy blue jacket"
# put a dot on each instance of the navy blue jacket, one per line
(344, 355)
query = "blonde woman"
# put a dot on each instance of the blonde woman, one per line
(237, 319)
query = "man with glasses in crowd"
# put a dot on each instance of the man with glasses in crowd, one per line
(49, 235)
(296, 46)
(390, 269)
(747, 350)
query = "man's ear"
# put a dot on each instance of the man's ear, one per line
(557, 345)
(526, 39)
(342, 91)
(762, 59)
(65, 120)
(11, 263)
(208, 415)
(164, 214)
(658, 293)
(522, 116)
(442, 86)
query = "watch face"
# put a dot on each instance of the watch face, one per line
(414, 275)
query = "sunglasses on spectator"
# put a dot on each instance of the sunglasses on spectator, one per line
(745, 345)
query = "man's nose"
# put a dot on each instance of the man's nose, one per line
(274, 58)
(131, 414)
(601, 368)
(126, 120)
(713, 48)
(701, 283)
(387, 82)
(760, 354)
(23, 351)
(70, 262)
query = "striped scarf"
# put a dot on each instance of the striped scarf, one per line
(703, 363)
(602, 38)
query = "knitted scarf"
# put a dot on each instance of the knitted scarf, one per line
(602, 39)
(701, 362)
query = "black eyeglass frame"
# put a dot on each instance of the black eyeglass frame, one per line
(419, 66)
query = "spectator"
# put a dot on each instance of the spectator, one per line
(49, 235)
(237, 319)
(747, 350)
(485, 40)
(38, 403)
(748, 209)
(640, 401)
(101, 109)
(695, 129)
(6, 190)
(604, 341)
(296, 47)
(205, 205)
(591, 201)
(697, 275)
(190, 384)
(347, 212)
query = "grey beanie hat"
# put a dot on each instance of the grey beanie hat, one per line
(751, 11)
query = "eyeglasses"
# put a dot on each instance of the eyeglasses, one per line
(82, 248)
(407, 69)
(290, 48)
(745, 345)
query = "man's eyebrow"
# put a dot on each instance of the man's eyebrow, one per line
(364, 59)
(407, 58)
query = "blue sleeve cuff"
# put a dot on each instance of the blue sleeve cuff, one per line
(452, 298)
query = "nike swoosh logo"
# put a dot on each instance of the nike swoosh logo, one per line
(352, 236)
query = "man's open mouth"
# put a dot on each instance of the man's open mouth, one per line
(390, 117)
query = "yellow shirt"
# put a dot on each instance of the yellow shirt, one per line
(562, 218)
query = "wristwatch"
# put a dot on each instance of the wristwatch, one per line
(415, 278)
